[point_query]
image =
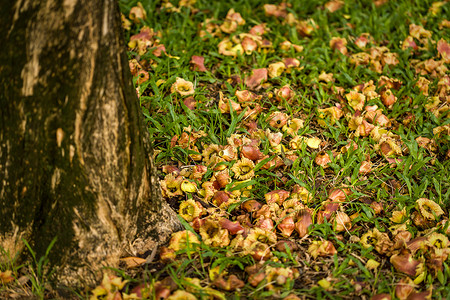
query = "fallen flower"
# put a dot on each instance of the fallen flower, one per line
(183, 240)
(405, 263)
(232, 283)
(276, 69)
(428, 208)
(190, 209)
(182, 87)
(198, 63)
(258, 76)
(243, 169)
(321, 248)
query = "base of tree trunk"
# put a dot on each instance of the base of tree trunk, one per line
(75, 159)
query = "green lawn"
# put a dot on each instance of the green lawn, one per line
(322, 174)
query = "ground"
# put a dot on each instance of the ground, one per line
(304, 144)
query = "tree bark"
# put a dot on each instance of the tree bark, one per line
(75, 159)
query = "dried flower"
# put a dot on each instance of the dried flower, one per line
(6, 276)
(249, 45)
(286, 226)
(366, 167)
(198, 63)
(372, 264)
(171, 186)
(444, 50)
(275, 10)
(404, 288)
(363, 40)
(379, 240)
(313, 142)
(339, 44)
(322, 159)
(232, 283)
(258, 76)
(137, 13)
(388, 147)
(277, 196)
(251, 152)
(278, 119)
(321, 248)
(276, 69)
(224, 104)
(291, 62)
(356, 100)
(334, 5)
(251, 206)
(181, 295)
(342, 222)
(109, 288)
(190, 209)
(285, 93)
(182, 87)
(429, 209)
(246, 97)
(227, 48)
(332, 113)
(243, 169)
(183, 240)
(304, 220)
(388, 98)
(188, 186)
(213, 234)
(306, 27)
(405, 263)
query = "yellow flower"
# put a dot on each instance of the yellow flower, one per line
(182, 87)
(379, 240)
(109, 288)
(398, 216)
(276, 69)
(321, 248)
(262, 235)
(190, 209)
(428, 208)
(183, 240)
(356, 100)
(188, 186)
(181, 295)
(372, 264)
(334, 113)
(293, 126)
(243, 169)
(438, 240)
(171, 186)
(213, 234)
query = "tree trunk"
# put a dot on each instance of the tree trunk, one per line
(75, 159)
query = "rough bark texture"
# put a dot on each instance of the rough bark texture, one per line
(74, 156)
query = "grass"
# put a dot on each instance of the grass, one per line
(204, 267)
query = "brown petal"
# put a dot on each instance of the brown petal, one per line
(283, 244)
(403, 288)
(381, 297)
(304, 220)
(198, 63)
(190, 102)
(232, 227)
(258, 76)
(405, 263)
(251, 206)
(252, 152)
(230, 284)
(286, 226)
